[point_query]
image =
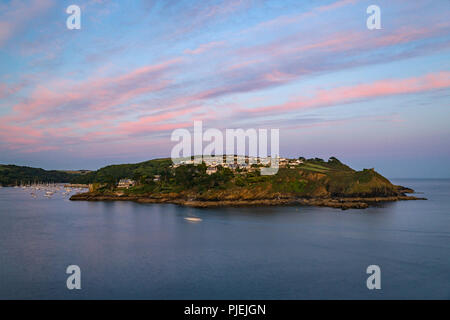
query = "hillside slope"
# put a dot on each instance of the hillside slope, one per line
(315, 181)
(11, 175)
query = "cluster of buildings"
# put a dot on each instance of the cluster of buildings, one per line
(289, 163)
(243, 163)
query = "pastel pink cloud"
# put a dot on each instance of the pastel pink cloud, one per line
(92, 94)
(381, 88)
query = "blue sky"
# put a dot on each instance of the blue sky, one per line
(113, 91)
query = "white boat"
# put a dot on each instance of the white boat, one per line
(193, 219)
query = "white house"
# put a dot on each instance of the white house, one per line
(126, 183)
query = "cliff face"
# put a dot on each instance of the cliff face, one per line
(366, 183)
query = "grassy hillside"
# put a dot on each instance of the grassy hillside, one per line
(314, 178)
(11, 175)
(138, 171)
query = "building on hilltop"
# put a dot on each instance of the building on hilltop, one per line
(126, 183)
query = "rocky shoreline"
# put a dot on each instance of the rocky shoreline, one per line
(338, 202)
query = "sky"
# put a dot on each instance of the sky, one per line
(114, 91)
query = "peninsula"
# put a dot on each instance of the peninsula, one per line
(298, 181)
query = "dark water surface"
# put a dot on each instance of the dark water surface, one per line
(149, 251)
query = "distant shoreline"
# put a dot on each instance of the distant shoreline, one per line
(76, 185)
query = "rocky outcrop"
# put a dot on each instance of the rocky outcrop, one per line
(340, 203)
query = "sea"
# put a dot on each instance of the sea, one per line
(126, 250)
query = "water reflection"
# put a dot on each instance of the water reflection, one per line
(131, 250)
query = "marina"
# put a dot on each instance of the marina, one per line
(50, 190)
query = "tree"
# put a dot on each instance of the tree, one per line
(333, 159)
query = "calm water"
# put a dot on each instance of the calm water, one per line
(135, 251)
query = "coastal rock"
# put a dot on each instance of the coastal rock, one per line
(339, 203)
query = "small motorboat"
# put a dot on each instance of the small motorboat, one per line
(193, 219)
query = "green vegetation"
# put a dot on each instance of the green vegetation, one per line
(311, 179)
(143, 171)
(11, 175)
